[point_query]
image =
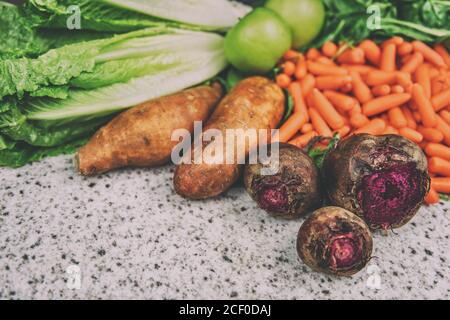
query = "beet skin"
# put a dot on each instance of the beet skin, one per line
(335, 241)
(382, 179)
(293, 191)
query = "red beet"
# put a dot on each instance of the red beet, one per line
(382, 179)
(335, 241)
(293, 191)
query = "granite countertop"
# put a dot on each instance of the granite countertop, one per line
(127, 235)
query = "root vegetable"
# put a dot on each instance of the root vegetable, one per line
(335, 241)
(382, 179)
(141, 136)
(255, 103)
(293, 191)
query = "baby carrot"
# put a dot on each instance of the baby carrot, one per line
(428, 53)
(362, 69)
(382, 104)
(319, 69)
(441, 184)
(327, 111)
(438, 150)
(417, 116)
(319, 124)
(332, 82)
(344, 131)
(290, 127)
(283, 80)
(301, 70)
(432, 197)
(347, 88)
(388, 57)
(411, 122)
(390, 130)
(295, 90)
(329, 49)
(441, 100)
(289, 68)
(307, 127)
(397, 118)
(439, 166)
(431, 134)
(397, 41)
(356, 109)
(423, 78)
(405, 48)
(424, 105)
(307, 84)
(310, 101)
(437, 85)
(397, 89)
(375, 127)
(381, 90)
(411, 65)
(371, 51)
(326, 61)
(411, 134)
(443, 127)
(404, 79)
(379, 77)
(312, 54)
(352, 56)
(440, 49)
(359, 120)
(339, 100)
(360, 89)
(291, 54)
(304, 139)
(445, 114)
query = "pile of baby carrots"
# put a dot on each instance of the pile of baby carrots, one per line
(396, 87)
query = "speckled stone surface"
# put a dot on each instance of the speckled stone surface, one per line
(132, 237)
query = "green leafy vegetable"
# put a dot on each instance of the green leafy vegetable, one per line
(319, 154)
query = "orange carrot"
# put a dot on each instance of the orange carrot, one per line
(431, 134)
(290, 127)
(397, 41)
(381, 90)
(301, 70)
(429, 54)
(443, 127)
(440, 49)
(438, 150)
(411, 122)
(441, 184)
(371, 51)
(404, 79)
(310, 101)
(424, 105)
(291, 54)
(388, 57)
(379, 77)
(397, 89)
(433, 71)
(445, 114)
(360, 68)
(340, 101)
(417, 116)
(312, 54)
(412, 64)
(332, 82)
(360, 89)
(437, 85)
(307, 84)
(405, 48)
(432, 197)
(295, 90)
(319, 69)
(327, 111)
(283, 80)
(329, 49)
(347, 88)
(441, 100)
(352, 56)
(288, 68)
(343, 132)
(411, 134)
(390, 130)
(319, 124)
(304, 139)
(326, 61)
(307, 127)
(356, 109)
(382, 104)
(423, 78)
(359, 120)
(439, 166)
(375, 127)
(397, 118)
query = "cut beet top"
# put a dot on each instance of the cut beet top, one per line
(382, 179)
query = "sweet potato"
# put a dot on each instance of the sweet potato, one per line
(141, 136)
(255, 103)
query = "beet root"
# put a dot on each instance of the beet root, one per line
(293, 191)
(382, 179)
(335, 241)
